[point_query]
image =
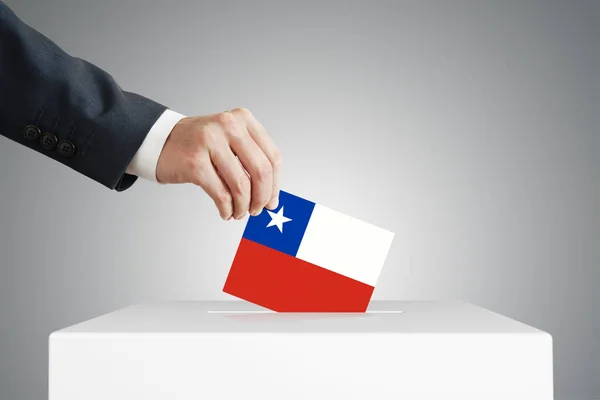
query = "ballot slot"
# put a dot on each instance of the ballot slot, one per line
(230, 312)
(286, 318)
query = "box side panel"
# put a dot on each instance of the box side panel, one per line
(301, 366)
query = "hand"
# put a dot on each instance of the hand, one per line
(230, 156)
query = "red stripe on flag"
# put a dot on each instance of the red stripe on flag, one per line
(283, 283)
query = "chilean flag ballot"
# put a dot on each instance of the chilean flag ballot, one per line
(305, 257)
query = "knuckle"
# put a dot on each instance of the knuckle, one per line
(195, 163)
(226, 119)
(277, 159)
(242, 111)
(223, 199)
(264, 172)
(241, 186)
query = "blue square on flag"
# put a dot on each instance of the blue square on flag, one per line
(306, 257)
(291, 209)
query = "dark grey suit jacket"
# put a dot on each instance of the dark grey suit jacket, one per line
(68, 109)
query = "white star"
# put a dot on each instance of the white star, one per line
(278, 219)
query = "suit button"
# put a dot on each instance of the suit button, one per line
(31, 132)
(49, 141)
(66, 149)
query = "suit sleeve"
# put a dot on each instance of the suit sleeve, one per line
(67, 108)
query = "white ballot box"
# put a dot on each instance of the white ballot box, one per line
(424, 350)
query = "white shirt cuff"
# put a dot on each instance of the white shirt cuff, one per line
(145, 160)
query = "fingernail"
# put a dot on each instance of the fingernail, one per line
(241, 216)
(254, 213)
(274, 202)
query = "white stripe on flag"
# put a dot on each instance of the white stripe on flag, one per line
(346, 245)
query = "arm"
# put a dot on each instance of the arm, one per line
(75, 113)
(72, 111)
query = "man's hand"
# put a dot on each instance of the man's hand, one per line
(230, 156)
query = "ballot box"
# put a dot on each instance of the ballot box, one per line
(421, 350)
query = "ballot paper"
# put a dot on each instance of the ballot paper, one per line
(306, 257)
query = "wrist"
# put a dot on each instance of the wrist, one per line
(144, 163)
(173, 154)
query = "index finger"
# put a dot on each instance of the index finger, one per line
(265, 142)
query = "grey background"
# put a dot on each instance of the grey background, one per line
(468, 128)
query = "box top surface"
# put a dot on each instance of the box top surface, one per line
(239, 317)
